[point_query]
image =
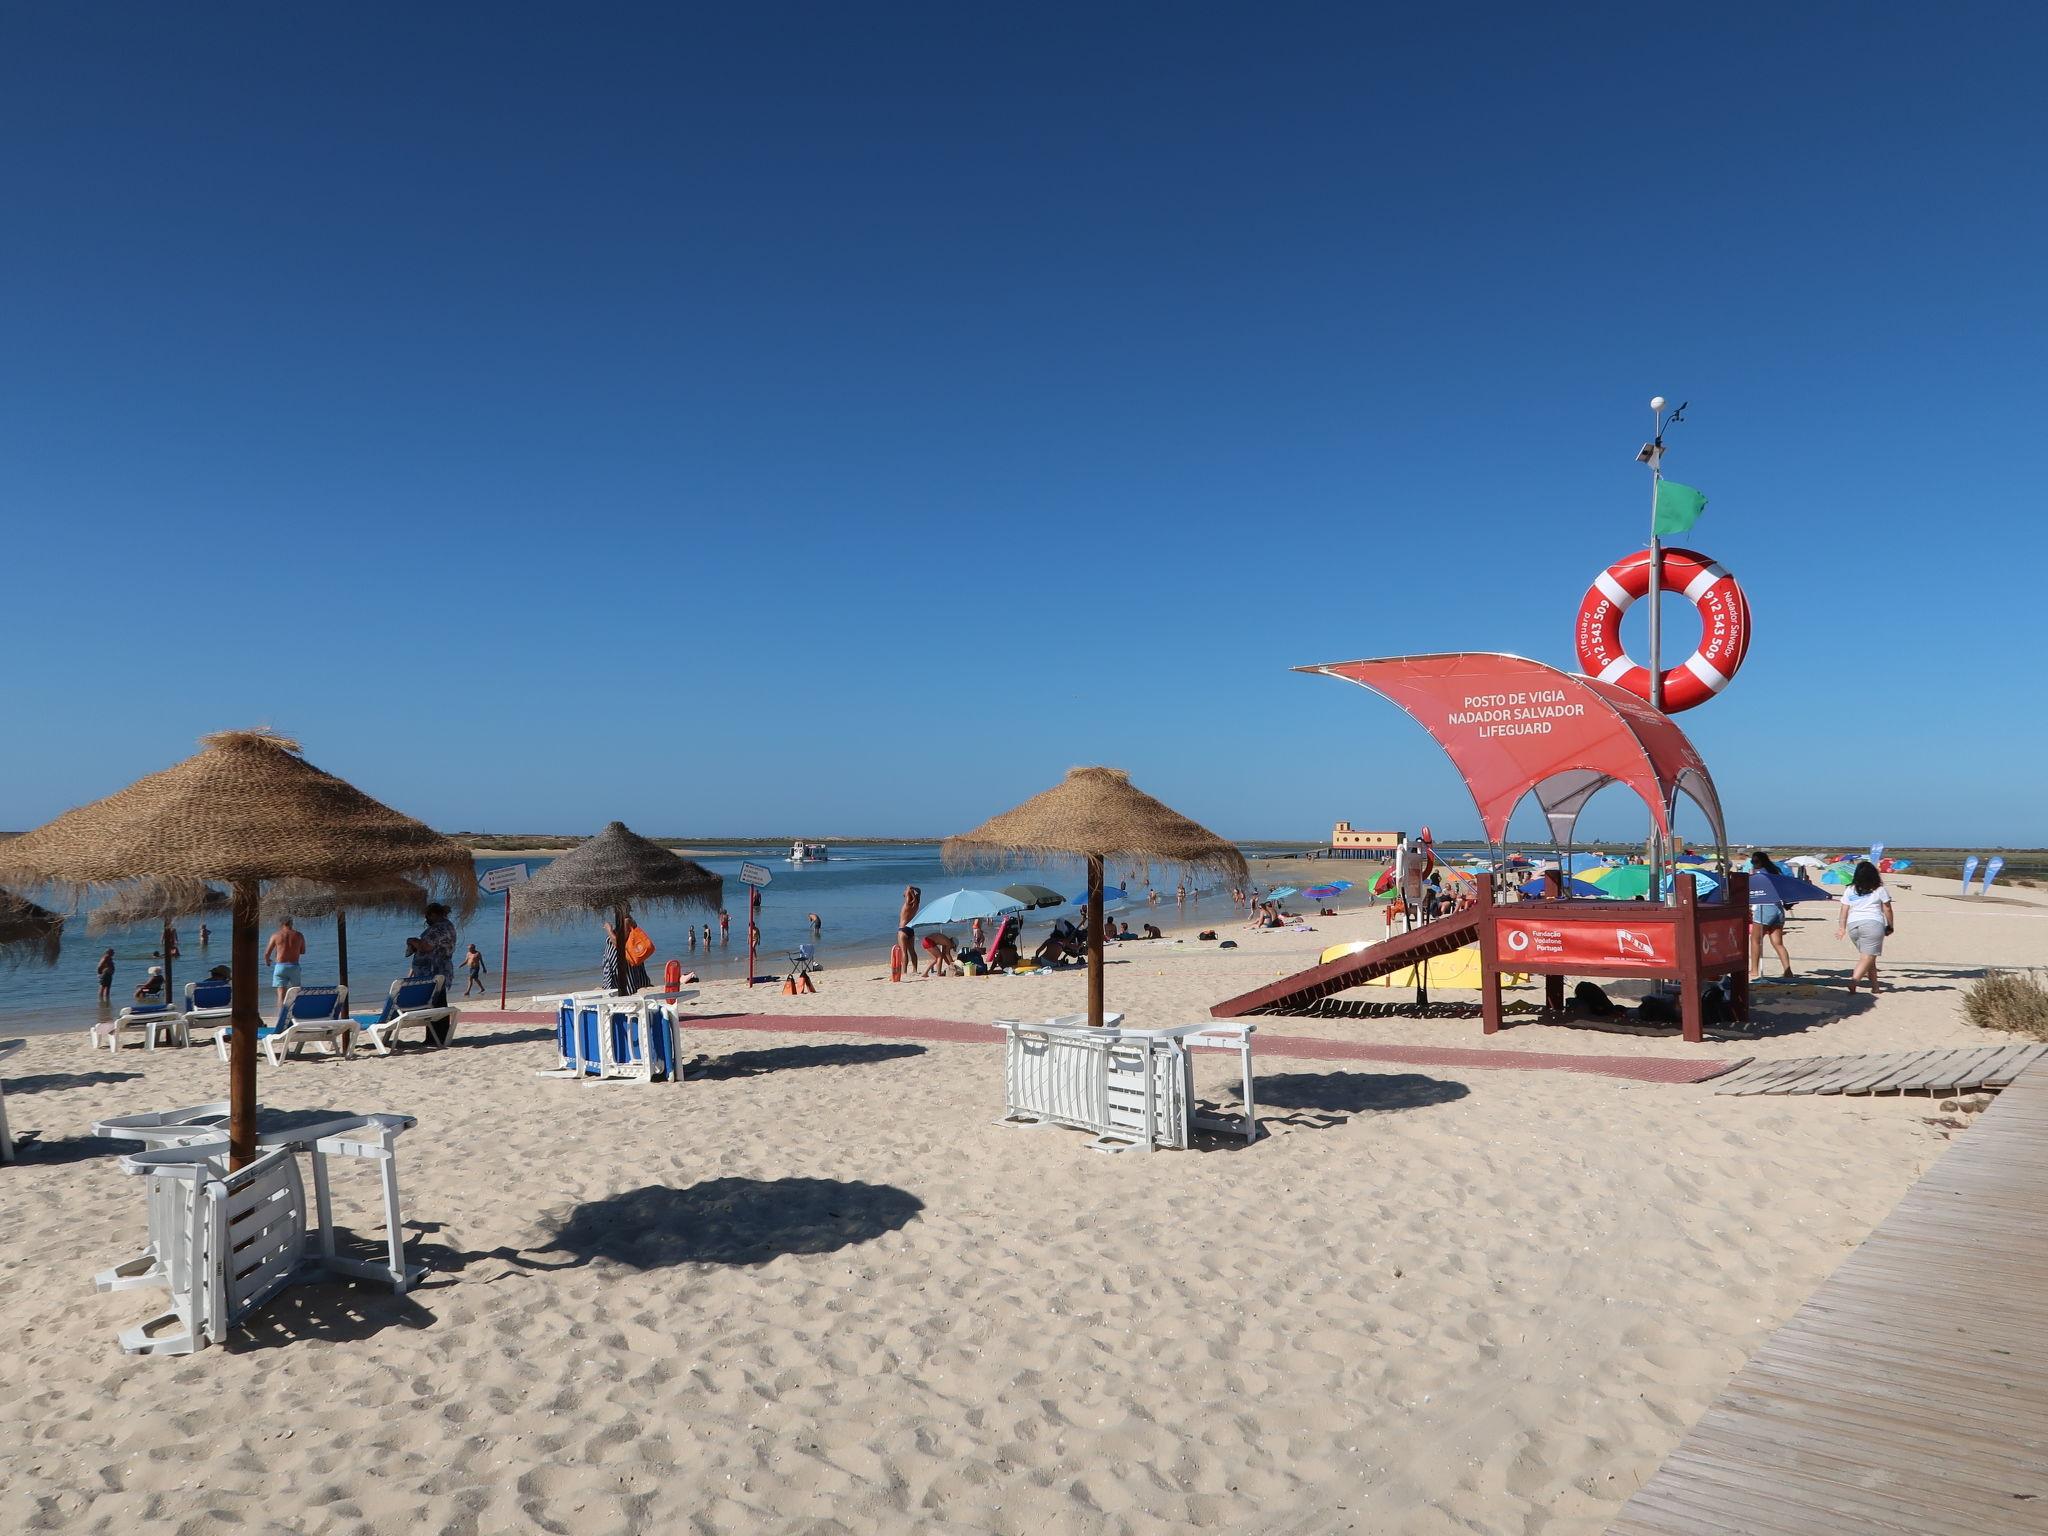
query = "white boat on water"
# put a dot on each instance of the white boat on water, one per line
(801, 852)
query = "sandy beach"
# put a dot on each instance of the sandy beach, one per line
(820, 1290)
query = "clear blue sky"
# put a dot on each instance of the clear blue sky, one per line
(841, 419)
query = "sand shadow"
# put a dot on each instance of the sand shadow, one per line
(335, 1311)
(784, 1057)
(473, 1041)
(46, 1082)
(30, 1147)
(729, 1221)
(1353, 1093)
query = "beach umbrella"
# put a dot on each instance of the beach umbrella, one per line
(309, 898)
(964, 907)
(162, 902)
(1034, 895)
(1321, 892)
(610, 873)
(1783, 889)
(1097, 814)
(1281, 893)
(245, 810)
(1540, 887)
(1625, 882)
(1110, 893)
(29, 931)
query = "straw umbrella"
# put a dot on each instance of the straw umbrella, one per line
(1095, 814)
(161, 902)
(28, 931)
(309, 898)
(245, 810)
(615, 870)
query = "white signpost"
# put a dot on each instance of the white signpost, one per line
(503, 879)
(756, 875)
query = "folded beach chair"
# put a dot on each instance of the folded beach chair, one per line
(802, 961)
(309, 1014)
(420, 1001)
(153, 1021)
(207, 1002)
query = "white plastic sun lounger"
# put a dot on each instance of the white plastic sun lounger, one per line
(153, 1021)
(1118, 1082)
(310, 1015)
(413, 1003)
(207, 1003)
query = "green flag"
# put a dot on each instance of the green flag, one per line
(1678, 507)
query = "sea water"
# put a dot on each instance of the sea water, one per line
(856, 894)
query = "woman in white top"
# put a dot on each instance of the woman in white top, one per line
(1866, 917)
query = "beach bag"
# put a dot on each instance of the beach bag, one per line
(1594, 1000)
(1657, 1009)
(1207, 935)
(638, 946)
(1715, 1008)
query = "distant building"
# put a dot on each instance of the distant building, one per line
(1346, 842)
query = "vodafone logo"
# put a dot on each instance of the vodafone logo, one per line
(1518, 940)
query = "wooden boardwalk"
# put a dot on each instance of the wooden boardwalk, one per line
(1942, 1072)
(1910, 1393)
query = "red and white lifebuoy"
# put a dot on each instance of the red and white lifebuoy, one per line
(1724, 626)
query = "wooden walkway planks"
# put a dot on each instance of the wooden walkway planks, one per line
(1949, 1070)
(1909, 1395)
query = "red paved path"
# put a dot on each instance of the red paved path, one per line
(1642, 1069)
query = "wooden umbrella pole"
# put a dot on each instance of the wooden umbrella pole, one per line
(1095, 941)
(246, 1019)
(341, 944)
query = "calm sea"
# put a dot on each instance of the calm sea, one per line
(856, 895)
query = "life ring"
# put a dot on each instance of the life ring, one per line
(1724, 626)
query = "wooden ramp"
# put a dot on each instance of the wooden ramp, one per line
(1974, 1069)
(1300, 992)
(1910, 1393)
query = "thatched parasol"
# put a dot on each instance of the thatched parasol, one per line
(29, 932)
(163, 902)
(245, 810)
(309, 898)
(615, 870)
(1095, 814)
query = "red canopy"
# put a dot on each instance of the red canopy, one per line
(1513, 726)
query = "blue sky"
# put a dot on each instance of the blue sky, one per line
(841, 419)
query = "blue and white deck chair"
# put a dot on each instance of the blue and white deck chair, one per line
(420, 1001)
(208, 1002)
(153, 1021)
(309, 1014)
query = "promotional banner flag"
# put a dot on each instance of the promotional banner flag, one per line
(1991, 873)
(1876, 853)
(1678, 507)
(1969, 872)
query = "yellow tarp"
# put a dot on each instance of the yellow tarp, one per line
(1458, 969)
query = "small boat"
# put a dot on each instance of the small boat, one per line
(801, 852)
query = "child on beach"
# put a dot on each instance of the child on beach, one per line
(474, 962)
(1866, 919)
(106, 969)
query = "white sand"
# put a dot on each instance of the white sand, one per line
(828, 1294)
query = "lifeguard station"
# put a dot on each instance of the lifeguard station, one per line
(1512, 728)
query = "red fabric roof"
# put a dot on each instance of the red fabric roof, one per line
(1512, 726)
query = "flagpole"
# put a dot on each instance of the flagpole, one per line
(1656, 615)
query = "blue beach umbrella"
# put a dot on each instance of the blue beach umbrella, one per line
(1782, 890)
(1280, 891)
(1109, 893)
(1540, 886)
(963, 907)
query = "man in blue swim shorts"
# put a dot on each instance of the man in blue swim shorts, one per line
(283, 952)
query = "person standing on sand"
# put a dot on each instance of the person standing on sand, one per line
(913, 898)
(437, 943)
(106, 970)
(1866, 920)
(284, 951)
(1766, 921)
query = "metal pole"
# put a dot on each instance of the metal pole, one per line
(1656, 850)
(505, 954)
(753, 929)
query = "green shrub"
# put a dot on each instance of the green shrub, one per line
(2009, 1000)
